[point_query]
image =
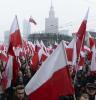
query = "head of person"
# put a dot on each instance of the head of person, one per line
(28, 73)
(91, 89)
(20, 73)
(20, 92)
(84, 96)
(65, 97)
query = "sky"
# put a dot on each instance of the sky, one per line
(69, 12)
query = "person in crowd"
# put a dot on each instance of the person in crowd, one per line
(23, 64)
(27, 76)
(80, 82)
(84, 96)
(91, 90)
(19, 79)
(2, 91)
(20, 93)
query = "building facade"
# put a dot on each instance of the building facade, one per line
(6, 37)
(48, 38)
(51, 23)
(26, 29)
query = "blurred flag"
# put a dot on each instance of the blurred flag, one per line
(32, 21)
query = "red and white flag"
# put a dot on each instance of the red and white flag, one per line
(41, 53)
(3, 56)
(81, 35)
(15, 39)
(71, 52)
(35, 61)
(74, 57)
(52, 79)
(7, 75)
(93, 61)
(43, 46)
(89, 40)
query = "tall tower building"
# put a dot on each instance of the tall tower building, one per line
(6, 37)
(26, 29)
(51, 23)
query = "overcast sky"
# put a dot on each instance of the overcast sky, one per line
(69, 12)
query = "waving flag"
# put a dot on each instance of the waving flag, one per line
(3, 56)
(7, 75)
(52, 79)
(15, 39)
(93, 61)
(32, 21)
(89, 40)
(81, 34)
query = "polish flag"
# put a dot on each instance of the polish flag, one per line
(16, 67)
(3, 56)
(71, 52)
(15, 39)
(7, 75)
(52, 79)
(40, 53)
(37, 46)
(89, 40)
(35, 61)
(81, 35)
(43, 46)
(93, 61)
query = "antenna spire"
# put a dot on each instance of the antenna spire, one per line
(51, 3)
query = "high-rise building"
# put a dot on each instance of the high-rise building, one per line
(26, 29)
(6, 37)
(51, 23)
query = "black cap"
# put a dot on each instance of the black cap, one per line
(91, 85)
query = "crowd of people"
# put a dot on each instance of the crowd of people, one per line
(84, 81)
(16, 90)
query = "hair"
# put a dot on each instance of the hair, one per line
(65, 97)
(85, 95)
(19, 87)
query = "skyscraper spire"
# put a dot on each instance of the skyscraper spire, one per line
(51, 4)
(51, 23)
(51, 12)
